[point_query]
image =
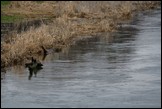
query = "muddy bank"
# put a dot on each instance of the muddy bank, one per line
(75, 21)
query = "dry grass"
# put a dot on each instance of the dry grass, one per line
(73, 21)
(30, 9)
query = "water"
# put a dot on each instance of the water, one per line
(121, 69)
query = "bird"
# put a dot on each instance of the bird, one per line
(33, 67)
(44, 50)
(33, 64)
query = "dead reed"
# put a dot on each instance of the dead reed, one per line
(74, 20)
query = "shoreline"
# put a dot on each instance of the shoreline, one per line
(71, 25)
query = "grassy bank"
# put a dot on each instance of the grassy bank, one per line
(9, 18)
(71, 20)
(4, 3)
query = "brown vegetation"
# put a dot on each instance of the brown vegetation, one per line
(74, 20)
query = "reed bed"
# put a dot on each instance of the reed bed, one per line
(74, 20)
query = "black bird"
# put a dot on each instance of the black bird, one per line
(33, 67)
(33, 64)
(44, 50)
